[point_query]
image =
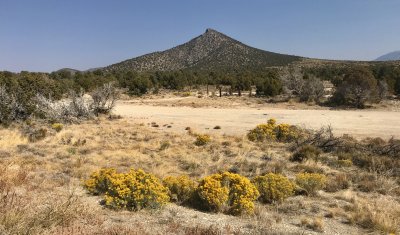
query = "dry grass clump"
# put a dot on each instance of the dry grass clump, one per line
(36, 134)
(373, 182)
(311, 182)
(57, 126)
(381, 214)
(164, 145)
(10, 139)
(308, 167)
(380, 164)
(316, 224)
(100, 229)
(337, 182)
(344, 163)
(26, 208)
(202, 140)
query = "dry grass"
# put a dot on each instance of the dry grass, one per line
(382, 214)
(11, 138)
(28, 205)
(41, 192)
(315, 224)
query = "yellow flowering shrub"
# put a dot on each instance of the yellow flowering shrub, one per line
(227, 192)
(99, 181)
(212, 192)
(272, 131)
(311, 182)
(285, 132)
(57, 126)
(273, 187)
(181, 188)
(263, 131)
(134, 190)
(202, 140)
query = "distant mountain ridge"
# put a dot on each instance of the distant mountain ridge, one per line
(395, 55)
(69, 70)
(211, 50)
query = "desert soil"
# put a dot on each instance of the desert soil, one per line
(236, 118)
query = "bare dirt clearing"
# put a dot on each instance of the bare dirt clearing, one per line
(237, 118)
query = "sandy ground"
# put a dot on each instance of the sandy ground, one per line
(240, 119)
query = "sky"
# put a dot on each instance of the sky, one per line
(47, 35)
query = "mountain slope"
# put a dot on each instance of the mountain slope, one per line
(395, 55)
(208, 51)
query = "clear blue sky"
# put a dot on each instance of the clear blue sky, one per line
(46, 35)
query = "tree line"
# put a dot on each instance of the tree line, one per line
(354, 85)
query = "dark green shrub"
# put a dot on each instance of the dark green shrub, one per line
(358, 87)
(305, 153)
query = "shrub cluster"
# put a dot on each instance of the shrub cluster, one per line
(273, 132)
(224, 192)
(312, 89)
(379, 146)
(227, 192)
(11, 108)
(370, 153)
(78, 106)
(273, 187)
(25, 95)
(134, 190)
(358, 87)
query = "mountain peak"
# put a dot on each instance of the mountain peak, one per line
(210, 30)
(210, 51)
(214, 34)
